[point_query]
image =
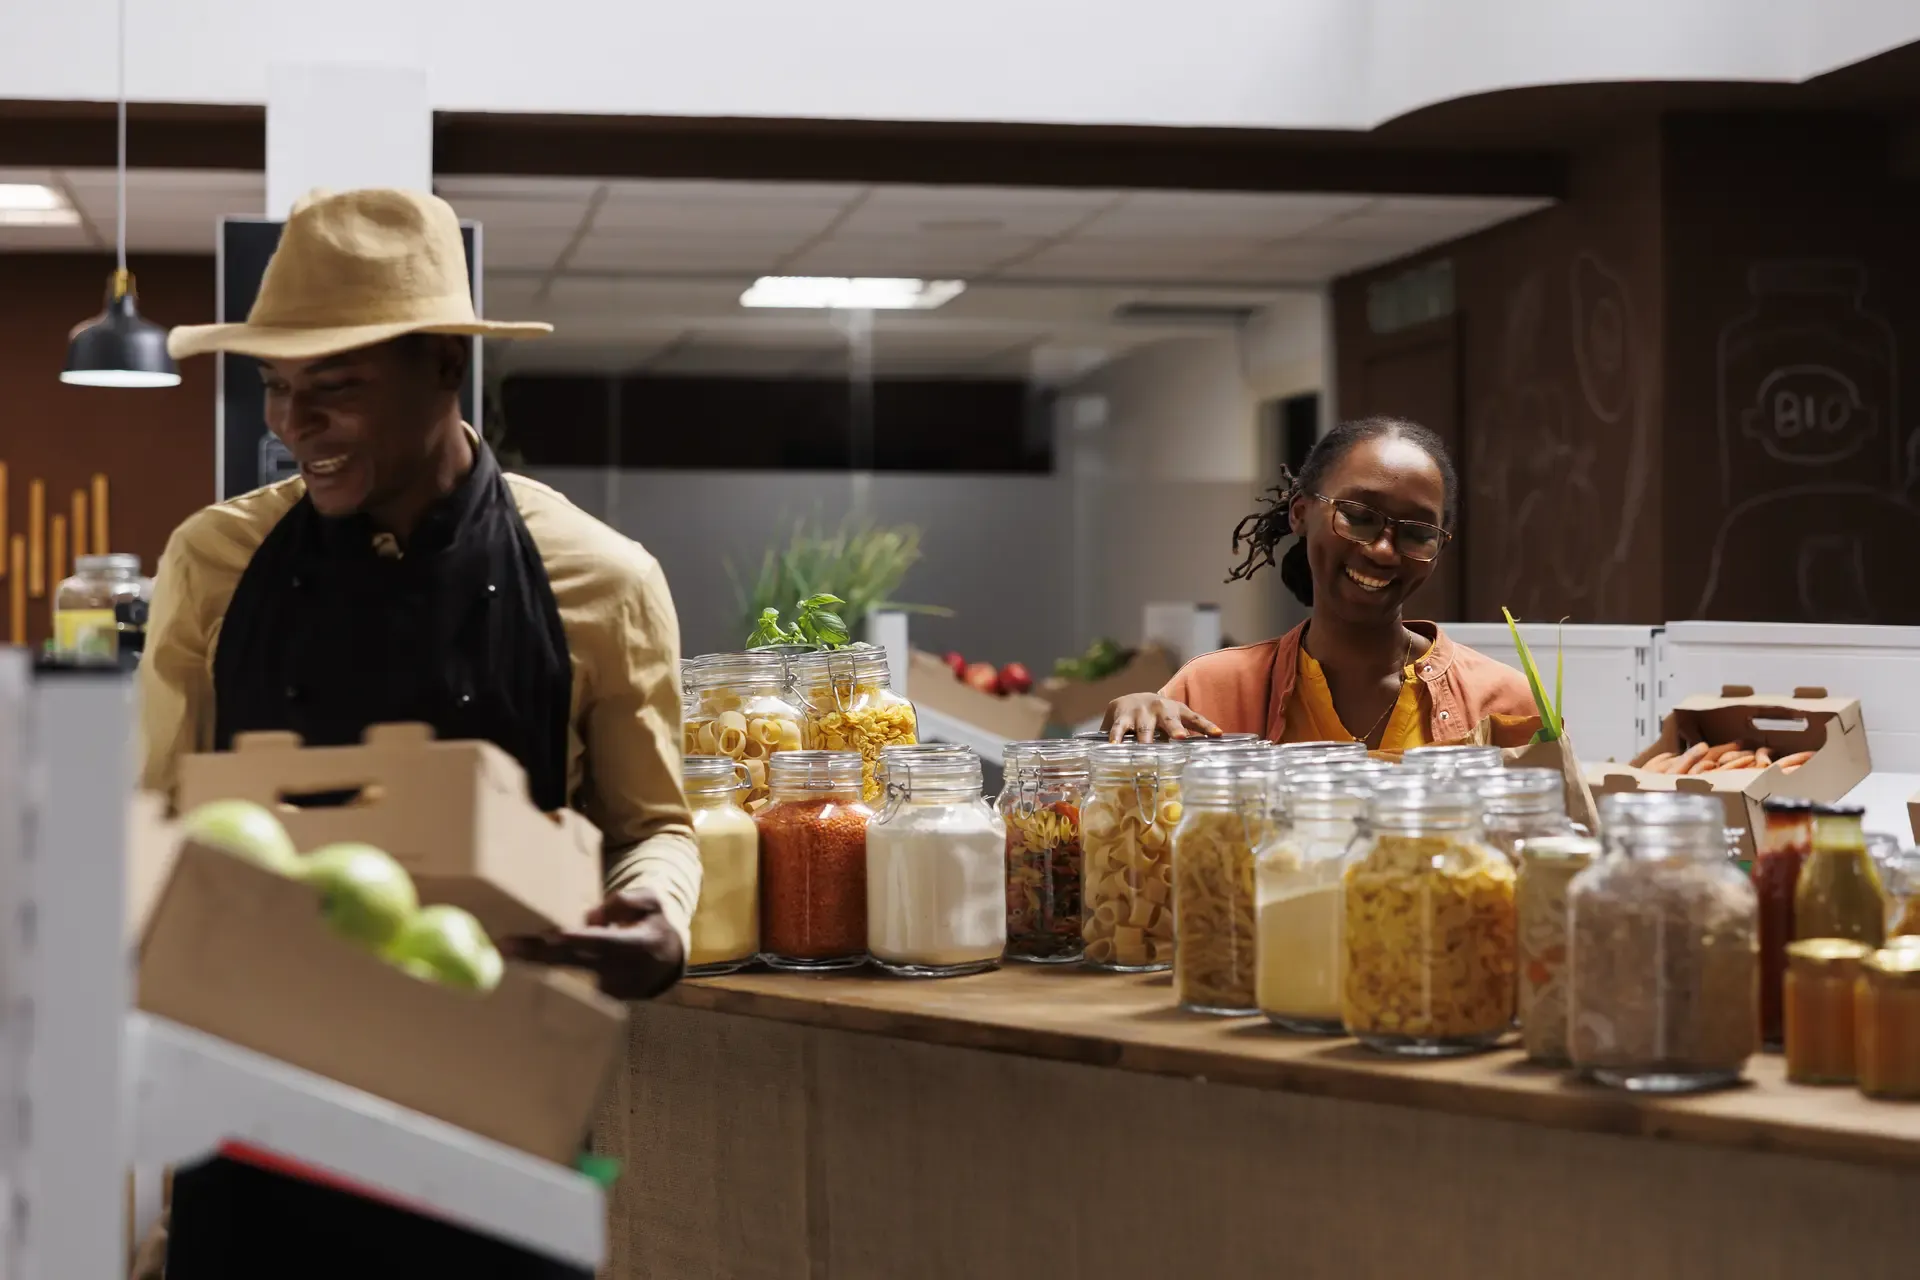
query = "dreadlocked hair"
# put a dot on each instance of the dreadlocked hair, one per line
(1260, 533)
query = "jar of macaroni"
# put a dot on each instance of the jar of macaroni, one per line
(739, 709)
(813, 862)
(1044, 790)
(850, 706)
(1522, 804)
(726, 923)
(1228, 812)
(1430, 926)
(1663, 957)
(1301, 948)
(936, 870)
(1126, 830)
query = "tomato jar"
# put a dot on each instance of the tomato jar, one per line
(1785, 839)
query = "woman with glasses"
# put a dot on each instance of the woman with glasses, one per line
(1370, 512)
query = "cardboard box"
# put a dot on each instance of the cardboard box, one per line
(1806, 720)
(931, 683)
(1913, 816)
(243, 954)
(1074, 702)
(455, 814)
(153, 840)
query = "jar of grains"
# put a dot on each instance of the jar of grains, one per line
(936, 870)
(1522, 804)
(1430, 926)
(1452, 756)
(1548, 865)
(726, 923)
(813, 862)
(1040, 801)
(1663, 990)
(1133, 805)
(1297, 889)
(850, 706)
(1228, 813)
(739, 709)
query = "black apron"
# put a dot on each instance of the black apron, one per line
(327, 634)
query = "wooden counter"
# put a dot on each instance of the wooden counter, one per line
(1077, 1126)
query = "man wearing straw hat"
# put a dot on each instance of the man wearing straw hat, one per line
(402, 576)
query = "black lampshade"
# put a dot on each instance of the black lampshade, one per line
(117, 348)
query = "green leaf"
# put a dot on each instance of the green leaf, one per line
(1560, 675)
(813, 604)
(1549, 715)
(829, 628)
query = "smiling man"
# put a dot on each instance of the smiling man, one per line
(402, 576)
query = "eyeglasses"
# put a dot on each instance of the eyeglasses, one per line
(1358, 522)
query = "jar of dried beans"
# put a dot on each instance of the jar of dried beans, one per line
(813, 862)
(1126, 829)
(936, 870)
(850, 706)
(726, 924)
(1430, 925)
(1045, 785)
(1663, 955)
(738, 708)
(1548, 865)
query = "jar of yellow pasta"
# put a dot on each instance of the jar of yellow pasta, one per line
(726, 924)
(740, 709)
(850, 707)
(1430, 926)
(1126, 828)
(1228, 813)
(1302, 945)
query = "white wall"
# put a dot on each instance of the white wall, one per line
(1294, 64)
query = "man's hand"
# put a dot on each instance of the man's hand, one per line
(626, 941)
(1143, 713)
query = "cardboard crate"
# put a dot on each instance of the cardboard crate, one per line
(455, 814)
(1073, 702)
(241, 953)
(1806, 720)
(1913, 816)
(931, 683)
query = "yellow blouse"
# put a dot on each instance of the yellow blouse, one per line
(1311, 717)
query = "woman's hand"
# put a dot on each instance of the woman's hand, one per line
(1146, 713)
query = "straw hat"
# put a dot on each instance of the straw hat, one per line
(352, 270)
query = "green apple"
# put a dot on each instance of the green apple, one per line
(451, 945)
(246, 830)
(368, 896)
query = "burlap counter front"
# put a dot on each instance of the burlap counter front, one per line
(768, 1146)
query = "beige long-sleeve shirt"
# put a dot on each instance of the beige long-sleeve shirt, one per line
(623, 736)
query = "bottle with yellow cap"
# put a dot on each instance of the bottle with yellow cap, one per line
(1887, 1023)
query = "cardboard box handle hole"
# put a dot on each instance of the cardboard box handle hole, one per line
(350, 797)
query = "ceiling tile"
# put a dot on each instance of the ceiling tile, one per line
(936, 212)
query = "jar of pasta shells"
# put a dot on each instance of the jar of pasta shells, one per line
(1430, 926)
(1663, 954)
(850, 707)
(1228, 813)
(1044, 790)
(739, 709)
(1126, 830)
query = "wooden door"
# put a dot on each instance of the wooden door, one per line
(1416, 375)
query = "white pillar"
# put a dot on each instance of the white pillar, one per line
(342, 127)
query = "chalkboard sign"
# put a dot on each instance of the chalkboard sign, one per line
(248, 454)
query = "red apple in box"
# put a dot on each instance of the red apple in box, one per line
(982, 676)
(956, 664)
(1015, 678)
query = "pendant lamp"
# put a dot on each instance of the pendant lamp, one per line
(117, 348)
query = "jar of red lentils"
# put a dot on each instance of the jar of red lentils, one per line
(813, 861)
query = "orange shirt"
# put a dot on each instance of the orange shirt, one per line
(1250, 689)
(1311, 717)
